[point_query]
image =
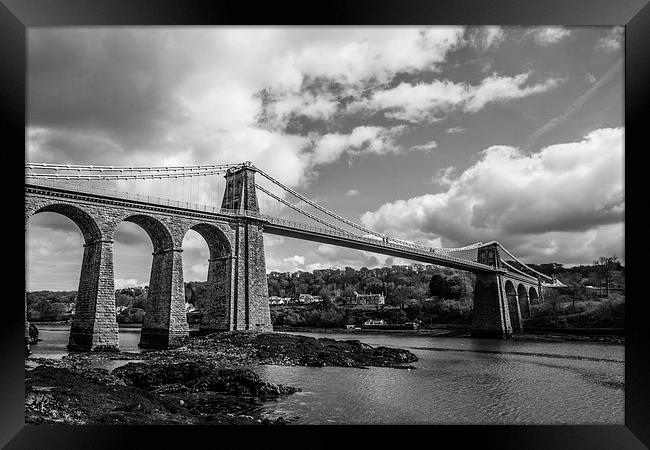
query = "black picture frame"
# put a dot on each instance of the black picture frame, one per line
(17, 15)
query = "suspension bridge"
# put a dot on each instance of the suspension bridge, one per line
(222, 204)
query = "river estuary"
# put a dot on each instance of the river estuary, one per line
(456, 381)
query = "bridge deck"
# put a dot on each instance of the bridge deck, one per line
(272, 225)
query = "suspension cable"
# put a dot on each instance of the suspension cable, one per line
(166, 172)
(516, 270)
(196, 168)
(144, 176)
(290, 205)
(529, 268)
(332, 214)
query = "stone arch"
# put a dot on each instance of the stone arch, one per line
(86, 223)
(533, 295)
(513, 306)
(94, 325)
(216, 308)
(165, 323)
(524, 301)
(218, 243)
(160, 236)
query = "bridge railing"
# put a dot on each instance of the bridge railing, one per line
(94, 190)
(375, 242)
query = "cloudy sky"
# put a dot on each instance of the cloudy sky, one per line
(444, 135)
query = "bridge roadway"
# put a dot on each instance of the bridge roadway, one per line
(272, 225)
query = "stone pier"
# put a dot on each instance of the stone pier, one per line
(165, 321)
(94, 326)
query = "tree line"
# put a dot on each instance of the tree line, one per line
(404, 286)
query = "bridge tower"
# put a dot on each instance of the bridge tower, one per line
(491, 317)
(249, 299)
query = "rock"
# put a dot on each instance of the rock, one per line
(286, 349)
(144, 375)
(163, 377)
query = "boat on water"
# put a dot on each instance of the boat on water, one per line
(371, 324)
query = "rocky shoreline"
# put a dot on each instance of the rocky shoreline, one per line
(208, 380)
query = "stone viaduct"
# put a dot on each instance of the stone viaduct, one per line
(237, 283)
(236, 272)
(501, 301)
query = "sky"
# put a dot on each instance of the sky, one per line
(444, 136)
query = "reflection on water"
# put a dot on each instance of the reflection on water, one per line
(53, 339)
(456, 381)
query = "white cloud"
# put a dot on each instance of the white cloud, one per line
(546, 36)
(121, 283)
(613, 41)
(497, 88)
(322, 106)
(295, 259)
(566, 191)
(210, 79)
(455, 130)
(332, 256)
(352, 193)
(444, 176)
(427, 146)
(353, 55)
(590, 77)
(430, 101)
(271, 240)
(414, 103)
(363, 139)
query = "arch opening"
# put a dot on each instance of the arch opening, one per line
(210, 301)
(86, 224)
(93, 324)
(164, 322)
(533, 296)
(132, 252)
(53, 259)
(160, 236)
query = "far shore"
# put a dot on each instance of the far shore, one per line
(599, 335)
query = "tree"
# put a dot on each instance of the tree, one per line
(348, 293)
(401, 294)
(438, 286)
(575, 282)
(604, 266)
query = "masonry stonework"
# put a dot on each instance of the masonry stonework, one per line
(524, 301)
(236, 274)
(94, 326)
(237, 284)
(165, 322)
(257, 296)
(513, 307)
(490, 317)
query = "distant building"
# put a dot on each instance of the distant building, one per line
(367, 299)
(275, 300)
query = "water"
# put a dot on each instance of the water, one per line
(53, 339)
(456, 381)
